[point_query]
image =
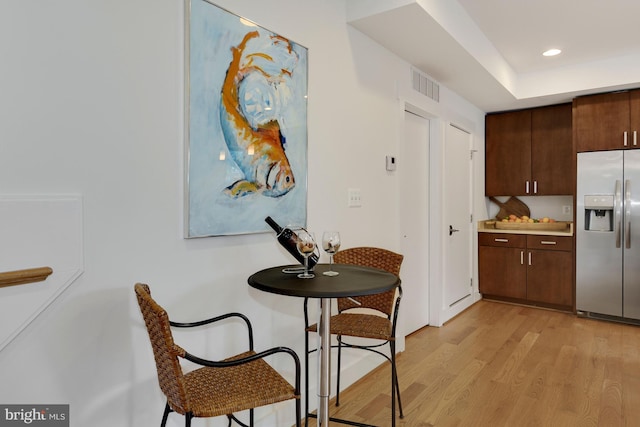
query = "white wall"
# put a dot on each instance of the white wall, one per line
(92, 95)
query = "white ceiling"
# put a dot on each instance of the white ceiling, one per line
(490, 51)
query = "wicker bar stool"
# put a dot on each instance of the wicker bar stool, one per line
(380, 326)
(242, 382)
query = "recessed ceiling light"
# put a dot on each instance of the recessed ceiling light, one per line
(552, 52)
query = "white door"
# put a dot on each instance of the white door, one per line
(457, 216)
(413, 169)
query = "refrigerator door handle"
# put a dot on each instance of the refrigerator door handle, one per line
(627, 214)
(617, 206)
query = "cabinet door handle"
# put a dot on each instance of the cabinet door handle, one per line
(625, 138)
(521, 257)
(501, 240)
(526, 187)
(535, 187)
(547, 242)
(635, 137)
(529, 258)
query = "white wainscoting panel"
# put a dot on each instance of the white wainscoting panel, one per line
(37, 231)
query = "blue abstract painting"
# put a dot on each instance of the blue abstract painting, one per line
(246, 125)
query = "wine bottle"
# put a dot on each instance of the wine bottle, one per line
(288, 238)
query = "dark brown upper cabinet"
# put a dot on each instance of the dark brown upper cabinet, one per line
(608, 121)
(529, 152)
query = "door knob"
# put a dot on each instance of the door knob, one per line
(452, 230)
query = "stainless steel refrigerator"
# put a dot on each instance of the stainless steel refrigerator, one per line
(608, 234)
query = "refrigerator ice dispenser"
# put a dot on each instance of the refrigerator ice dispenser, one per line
(598, 212)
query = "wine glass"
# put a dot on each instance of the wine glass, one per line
(331, 244)
(306, 244)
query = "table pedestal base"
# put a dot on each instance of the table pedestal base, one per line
(324, 360)
(324, 369)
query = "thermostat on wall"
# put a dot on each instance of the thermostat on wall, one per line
(391, 163)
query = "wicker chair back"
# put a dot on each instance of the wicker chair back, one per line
(165, 351)
(376, 258)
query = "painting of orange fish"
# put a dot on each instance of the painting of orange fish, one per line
(245, 124)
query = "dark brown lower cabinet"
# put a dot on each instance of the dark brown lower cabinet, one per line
(529, 269)
(501, 265)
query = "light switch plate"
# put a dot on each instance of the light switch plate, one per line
(355, 198)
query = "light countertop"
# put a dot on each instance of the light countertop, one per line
(486, 227)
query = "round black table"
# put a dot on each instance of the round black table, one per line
(353, 281)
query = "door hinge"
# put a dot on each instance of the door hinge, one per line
(471, 218)
(471, 154)
(471, 282)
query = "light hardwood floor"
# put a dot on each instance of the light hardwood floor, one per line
(506, 365)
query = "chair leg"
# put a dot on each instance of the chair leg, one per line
(339, 368)
(165, 415)
(398, 388)
(395, 385)
(298, 415)
(187, 419)
(306, 379)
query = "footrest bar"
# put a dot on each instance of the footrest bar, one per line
(341, 421)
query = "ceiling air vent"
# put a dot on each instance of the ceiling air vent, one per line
(425, 85)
